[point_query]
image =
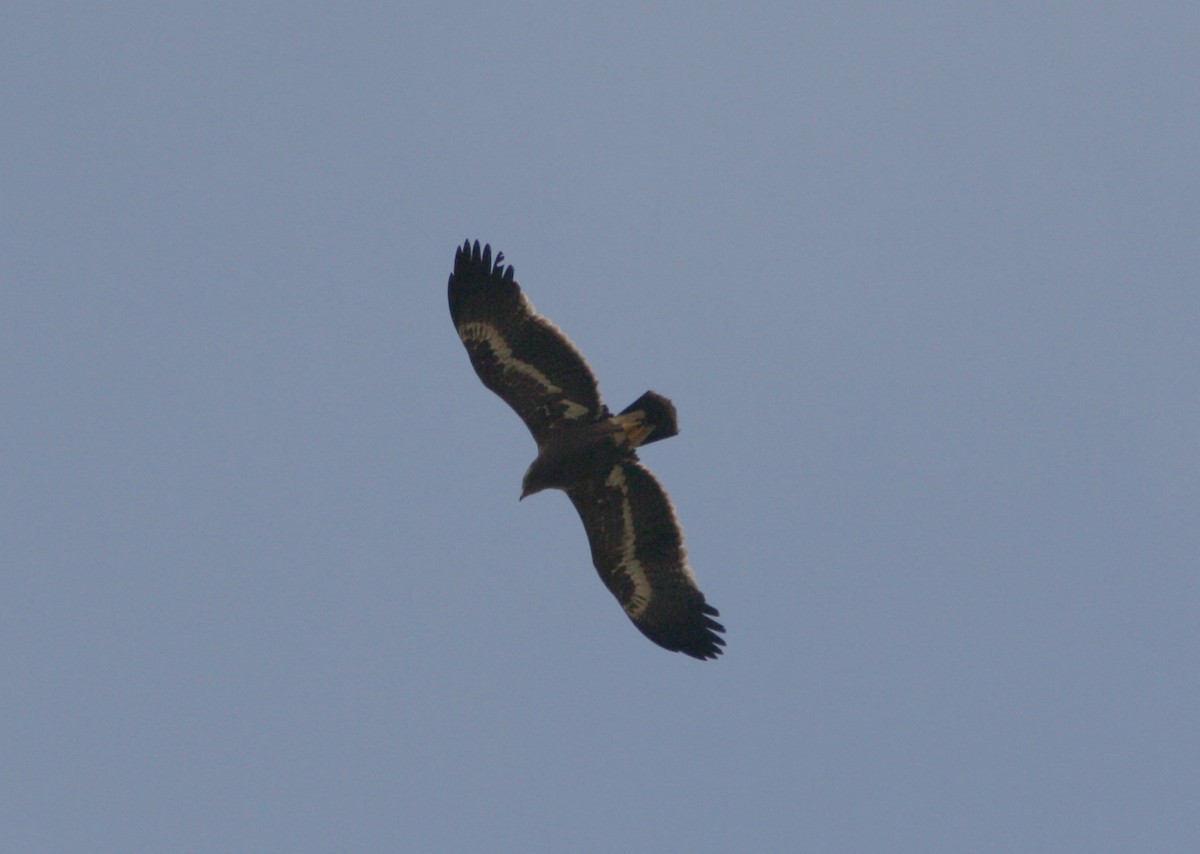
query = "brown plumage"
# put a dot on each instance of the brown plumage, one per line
(584, 450)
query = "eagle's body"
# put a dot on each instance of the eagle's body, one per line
(584, 450)
(578, 452)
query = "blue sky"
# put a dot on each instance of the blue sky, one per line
(922, 282)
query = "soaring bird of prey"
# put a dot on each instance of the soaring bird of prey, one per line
(584, 450)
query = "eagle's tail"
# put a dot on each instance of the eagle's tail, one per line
(648, 419)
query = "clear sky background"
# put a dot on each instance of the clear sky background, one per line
(923, 281)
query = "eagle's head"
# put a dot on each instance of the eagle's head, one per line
(531, 484)
(537, 477)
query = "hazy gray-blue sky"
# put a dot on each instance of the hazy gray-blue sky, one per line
(923, 281)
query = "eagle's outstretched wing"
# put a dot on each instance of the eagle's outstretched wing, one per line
(518, 354)
(637, 547)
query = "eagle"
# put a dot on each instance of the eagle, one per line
(586, 451)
